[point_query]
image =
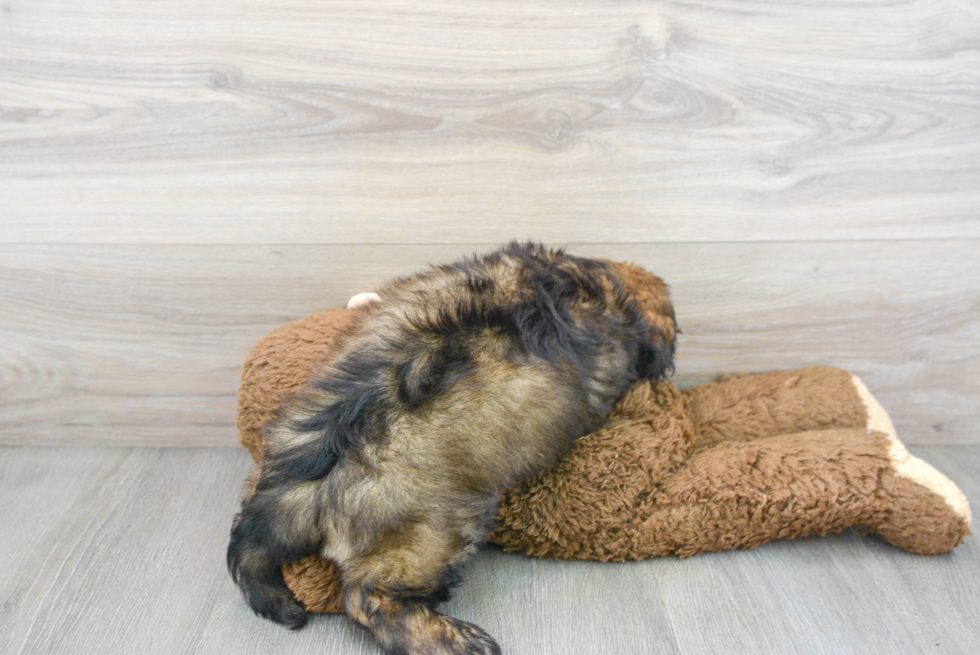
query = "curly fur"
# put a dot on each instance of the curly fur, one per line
(461, 381)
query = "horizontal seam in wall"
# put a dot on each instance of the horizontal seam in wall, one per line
(490, 244)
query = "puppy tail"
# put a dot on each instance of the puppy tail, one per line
(265, 536)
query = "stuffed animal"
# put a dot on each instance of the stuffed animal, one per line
(732, 464)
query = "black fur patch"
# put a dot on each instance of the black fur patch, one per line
(442, 592)
(256, 552)
(426, 375)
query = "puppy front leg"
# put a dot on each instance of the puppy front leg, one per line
(277, 525)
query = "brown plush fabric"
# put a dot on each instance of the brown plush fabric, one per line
(650, 484)
(778, 402)
(316, 583)
(733, 464)
(918, 520)
(661, 478)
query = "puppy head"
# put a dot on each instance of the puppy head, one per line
(653, 296)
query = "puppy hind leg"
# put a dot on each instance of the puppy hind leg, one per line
(394, 589)
(273, 529)
(405, 623)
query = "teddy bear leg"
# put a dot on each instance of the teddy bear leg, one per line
(750, 406)
(930, 514)
(740, 494)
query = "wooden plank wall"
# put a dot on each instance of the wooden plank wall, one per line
(178, 178)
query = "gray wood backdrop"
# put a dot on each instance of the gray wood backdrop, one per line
(178, 178)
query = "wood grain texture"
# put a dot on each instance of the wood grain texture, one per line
(379, 121)
(120, 550)
(178, 178)
(144, 344)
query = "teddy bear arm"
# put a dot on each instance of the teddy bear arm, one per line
(316, 583)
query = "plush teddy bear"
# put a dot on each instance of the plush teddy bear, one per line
(732, 464)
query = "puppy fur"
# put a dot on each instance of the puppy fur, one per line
(459, 382)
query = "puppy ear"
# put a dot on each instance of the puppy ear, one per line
(656, 357)
(653, 296)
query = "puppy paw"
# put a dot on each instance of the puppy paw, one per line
(282, 609)
(471, 640)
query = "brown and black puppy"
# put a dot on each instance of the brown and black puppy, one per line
(461, 381)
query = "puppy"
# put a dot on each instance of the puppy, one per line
(455, 384)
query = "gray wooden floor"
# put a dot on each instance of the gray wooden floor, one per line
(120, 550)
